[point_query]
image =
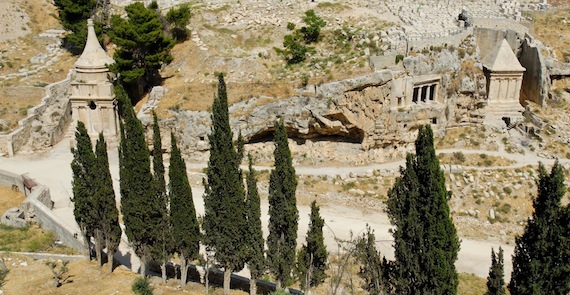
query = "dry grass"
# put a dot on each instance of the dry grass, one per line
(13, 100)
(467, 138)
(553, 29)
(473, 160)
(470, 284)
(86, 278)
(10, 198)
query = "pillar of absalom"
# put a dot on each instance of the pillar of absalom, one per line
(92, 97)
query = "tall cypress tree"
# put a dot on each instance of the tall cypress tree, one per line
(541, 262)
(162, 250)
(425, 239)
(495, 280)
(109, 231)
(225, 220)
(83, 183)
(256, 258)
(312, 258)
(140, 208)
(283, 213)
(185, 228)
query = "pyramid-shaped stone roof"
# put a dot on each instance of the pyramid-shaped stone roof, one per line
(94, 56)
(502, 59)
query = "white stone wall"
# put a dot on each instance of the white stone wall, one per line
(56, 93)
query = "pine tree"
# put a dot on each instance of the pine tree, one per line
(312, 258)
(256, 258)
(140, 208)
(73, 15)
(185, 228)
(106, 207)
(374, 269)
(425, 239)
(283, 213)
(495, 280)
(143, 48)
(83, 183)
(163, 250)
(225, 220)
(541, 262)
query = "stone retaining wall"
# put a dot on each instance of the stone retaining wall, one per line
(11, 143)
(37, 207)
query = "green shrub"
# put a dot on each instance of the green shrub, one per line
(505, 208)
(304, 80)
(141, 287)
(314, 25)
(399, 58)
(507, 190)
(290, 26)
(459, 156)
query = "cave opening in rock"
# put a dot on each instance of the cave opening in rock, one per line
(354, 136)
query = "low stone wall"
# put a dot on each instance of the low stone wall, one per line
(42, 215)
(8, 178)
(37, 208)
(55, 93)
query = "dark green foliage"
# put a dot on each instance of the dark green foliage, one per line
(256, 259)
(314, 23)
(312, 257)
(141, 286)
(425, 239)
(140, 207)
(374, 269)
(121, 96)
(399, 58)
(4, 271)
(295, 50)
(83, 183)
(163, 246)
(495, 280)
(185, 228)
(541, 262)
(296, 43)
(105, 206)
(178, 18)
(256, 245)
(283, 213)
(143, 48)
(73, 15)
(225, 221)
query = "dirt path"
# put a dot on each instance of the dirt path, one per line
(53, 170)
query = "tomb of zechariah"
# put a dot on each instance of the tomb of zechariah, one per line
(504, 76)
(92, 97)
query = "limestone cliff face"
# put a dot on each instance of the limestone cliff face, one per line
(358, 110)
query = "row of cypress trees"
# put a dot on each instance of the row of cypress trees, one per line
(160, 220)
(95, 208)
(232, 224)
(541, 262)
(426, 243)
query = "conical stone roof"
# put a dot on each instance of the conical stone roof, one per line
(94, 56)
(502, 59)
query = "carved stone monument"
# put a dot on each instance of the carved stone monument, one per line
(92, 97)
(504, 75)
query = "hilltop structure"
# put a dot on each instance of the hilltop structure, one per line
(92, 97)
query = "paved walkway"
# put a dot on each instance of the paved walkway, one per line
(53, 169)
